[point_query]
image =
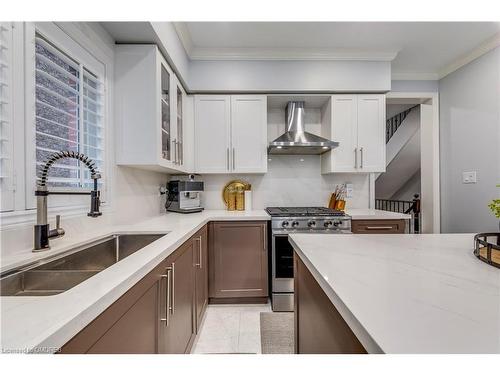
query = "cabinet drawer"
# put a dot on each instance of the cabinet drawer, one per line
(378, 226)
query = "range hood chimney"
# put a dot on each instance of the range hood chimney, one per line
(296, 141)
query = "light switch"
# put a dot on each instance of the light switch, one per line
(349, 188)
(469, 177)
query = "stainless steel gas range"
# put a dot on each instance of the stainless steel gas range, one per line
(286, 220)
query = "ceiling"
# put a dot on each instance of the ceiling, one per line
(418, 50)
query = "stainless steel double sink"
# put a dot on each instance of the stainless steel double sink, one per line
(63, 272)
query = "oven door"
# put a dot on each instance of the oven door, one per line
(282, 264)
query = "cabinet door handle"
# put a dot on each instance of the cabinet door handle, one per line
(181, 153)
(172, 307)
(361, 152)
(201, 255)
(167, 278)
(356, 158)
(198, 264)
(234, 162)
(173, 151)
(227, 158)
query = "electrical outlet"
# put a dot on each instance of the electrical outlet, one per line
(469, 177)
(349, 189)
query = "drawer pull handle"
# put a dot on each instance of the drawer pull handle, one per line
(379, 227)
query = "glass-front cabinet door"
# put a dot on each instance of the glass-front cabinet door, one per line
(166, 128)
(179, 138)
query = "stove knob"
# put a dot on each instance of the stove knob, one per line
(311, 223)
(285, 224)
(336, 223)
(295, 224)
(328, 224)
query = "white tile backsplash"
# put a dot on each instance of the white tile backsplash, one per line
(291, 180)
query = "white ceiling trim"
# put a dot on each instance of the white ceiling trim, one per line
(198, 53)
(480, 50)
(414, 76)
(185, 36)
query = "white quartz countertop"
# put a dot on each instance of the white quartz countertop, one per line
(372, 214)
(31, 323)
(408, 293)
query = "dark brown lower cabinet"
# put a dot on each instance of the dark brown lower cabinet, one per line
(159, 314)
(177, 328)
(163, 311)
(238, 260)
(319, 327)
(201, 273)
(378, 226)
(130, 325)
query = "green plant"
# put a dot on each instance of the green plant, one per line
(495, 206)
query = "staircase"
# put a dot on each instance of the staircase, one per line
(402, 154)
(393, 124)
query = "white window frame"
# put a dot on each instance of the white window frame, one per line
(6, 117)
(72, 39)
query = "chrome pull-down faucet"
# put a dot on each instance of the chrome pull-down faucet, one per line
(42, 232)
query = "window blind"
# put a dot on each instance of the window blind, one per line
(6, 126)
(68, 114)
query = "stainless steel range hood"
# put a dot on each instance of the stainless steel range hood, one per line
(296, 141)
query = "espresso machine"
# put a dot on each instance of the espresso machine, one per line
(184, 195)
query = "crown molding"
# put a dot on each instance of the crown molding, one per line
(184, 36)
(414, 76)
(198, 53)
(480, 50)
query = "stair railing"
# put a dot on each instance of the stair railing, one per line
(406, 207)
(393, 124)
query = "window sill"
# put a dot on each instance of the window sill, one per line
(19, 218)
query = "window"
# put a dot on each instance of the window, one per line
(53, 97)
(68, 114)
(6, 127)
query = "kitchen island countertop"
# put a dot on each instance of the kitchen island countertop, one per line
(402, 293)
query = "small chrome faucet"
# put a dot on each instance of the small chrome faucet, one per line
(42, 232)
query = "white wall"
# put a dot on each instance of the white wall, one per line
(470, 141)
(403, 135)
(408, 190)
(395, 109)
(290, 181)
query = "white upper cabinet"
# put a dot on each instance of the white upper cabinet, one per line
(212, 122)
(358, 124)
(231, 133)
(343, 129)
(149, 110)
(249, 133)
(371, 133)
